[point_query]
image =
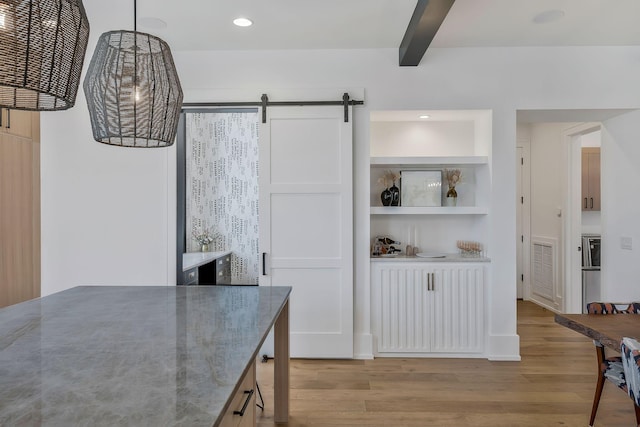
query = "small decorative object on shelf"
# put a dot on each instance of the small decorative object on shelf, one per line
(421, 188)
(469, 249)
(390, 196)
(204, 238)
(395, 194)
(386, 197)
(453, 177)
(385, 246)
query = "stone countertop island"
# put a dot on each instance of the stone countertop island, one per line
(135, 356)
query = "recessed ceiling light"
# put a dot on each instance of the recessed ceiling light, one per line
(548, 16)
(425, 116)
(243, 22)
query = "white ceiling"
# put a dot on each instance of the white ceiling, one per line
(372, 24)
(363, 24)
(474, 23)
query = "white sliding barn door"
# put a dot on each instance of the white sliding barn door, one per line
(306, 224)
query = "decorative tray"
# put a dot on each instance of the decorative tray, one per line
(430, 255)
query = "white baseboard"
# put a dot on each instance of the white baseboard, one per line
(504, 347)
(363, 346)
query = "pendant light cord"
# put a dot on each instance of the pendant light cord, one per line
(136, 89)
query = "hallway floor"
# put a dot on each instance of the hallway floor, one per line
(553, 385)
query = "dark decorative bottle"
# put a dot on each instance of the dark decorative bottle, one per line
(386, 197)
(395, 195)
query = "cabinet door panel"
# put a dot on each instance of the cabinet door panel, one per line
(406, 310)
(585, 181)
(594, 181)
(248, 419)
(19, 220)
(428, 308)
(590, 179)
(18, 122)
(458, 325)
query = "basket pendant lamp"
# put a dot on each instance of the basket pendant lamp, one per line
(42, 48)
(133, 91)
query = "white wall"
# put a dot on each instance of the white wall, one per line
(620, 159)
(105, 209)
(428, 138)
(591, 139)
(107, 212)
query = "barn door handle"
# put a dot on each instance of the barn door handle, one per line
(8, 118)
(264, 263)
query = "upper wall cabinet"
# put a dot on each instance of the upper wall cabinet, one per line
(591, 179)
(18, 122)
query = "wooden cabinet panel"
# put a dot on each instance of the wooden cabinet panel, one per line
(591, 179)
(19, 219)
(18, 122)
(245, 398)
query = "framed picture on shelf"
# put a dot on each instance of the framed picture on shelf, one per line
(421, 188)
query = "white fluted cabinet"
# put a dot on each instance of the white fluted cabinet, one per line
(428, 309)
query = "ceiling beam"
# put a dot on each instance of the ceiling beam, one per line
(427, 18)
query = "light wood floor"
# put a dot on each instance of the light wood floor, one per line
(552, 386)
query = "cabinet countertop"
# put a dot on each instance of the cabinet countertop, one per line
(196, 259)
(446, 258)
(131, 355)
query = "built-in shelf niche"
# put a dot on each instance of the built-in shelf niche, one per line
(472, 194)
(448, 140)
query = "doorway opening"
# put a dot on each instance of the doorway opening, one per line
(550, 227)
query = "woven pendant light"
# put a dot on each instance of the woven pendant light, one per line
(42, 48)
(133, 91)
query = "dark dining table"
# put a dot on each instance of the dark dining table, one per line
(609, 330)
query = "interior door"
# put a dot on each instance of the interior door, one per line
(306, 224)
(519, 232)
